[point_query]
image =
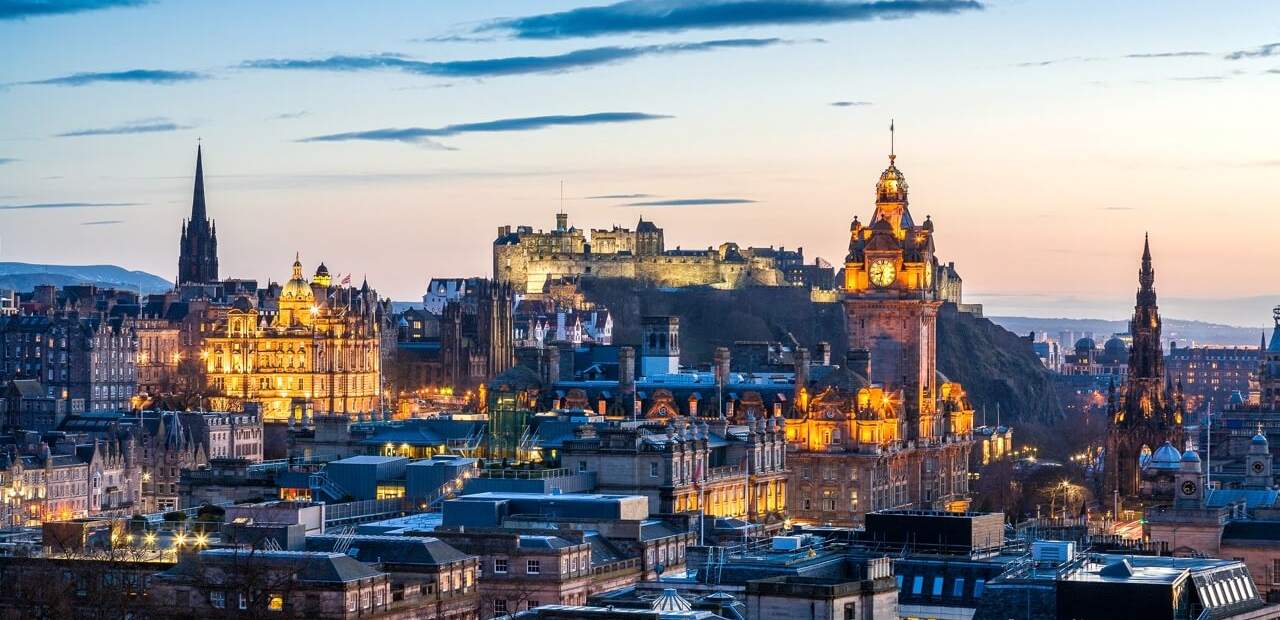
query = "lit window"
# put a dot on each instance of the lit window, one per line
(917, 583)
(275, 603)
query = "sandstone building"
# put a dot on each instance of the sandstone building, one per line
(528, 260)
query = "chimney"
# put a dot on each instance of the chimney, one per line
(801, 357)
(551, 365)
(627, 370)
(824, 354)
(721, 365)
(859, 361)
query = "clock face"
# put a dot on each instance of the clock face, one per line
(1188, 488)
(1257, 467)
(882, 272)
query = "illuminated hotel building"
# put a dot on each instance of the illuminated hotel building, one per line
(886, 430)
(317, 352)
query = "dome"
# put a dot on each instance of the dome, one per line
(1190, 456)
(892, 185)
(1115, 348)
(1259, 439)
(297, 288)
(322, 270)
(843, 379)
(1166, 457)
(1086, 344)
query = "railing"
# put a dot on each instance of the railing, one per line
(362, 511)
(524, 474)
(720, 473)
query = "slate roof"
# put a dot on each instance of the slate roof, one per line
(374, 549)
(314, 566)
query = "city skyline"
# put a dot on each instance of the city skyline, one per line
(397, 151)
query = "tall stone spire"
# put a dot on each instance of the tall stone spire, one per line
(1146, 276)
(1146, 357)
(197, 201)
(198, 248)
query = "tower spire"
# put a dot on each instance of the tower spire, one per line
(892, 152)
(197, 200)
(1146, 275)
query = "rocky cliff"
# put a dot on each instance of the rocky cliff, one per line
(995, 365)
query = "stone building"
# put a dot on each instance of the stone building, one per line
(1210, 374)
(89, 360)
(885, 430)
(318, 350)
(1148, 411)
(527, 260)
(159, 353)
(689, 464)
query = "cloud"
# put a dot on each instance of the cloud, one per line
(150, 125)
(67, 205)
(690, 202)
(1262, 51)
(141, 76)
(288, 116)
(22, 9)
(7, 160)
(849, 104)
(102, 222)
(1116, 208)
(1199, 78)
(424, 135)
(642, 16)
(504, 66)
(1167, 55)
(617, 196)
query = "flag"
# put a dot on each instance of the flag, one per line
(345, 280)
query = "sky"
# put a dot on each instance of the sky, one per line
(392, 139)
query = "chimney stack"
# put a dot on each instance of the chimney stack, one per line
(824, 354)
(720, 366)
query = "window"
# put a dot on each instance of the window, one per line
(275, 602)
(917, 583)
(958, 589)
(244, 601)
(534, 567)
(582, 466)
(532, 604)
(653, 470)
(850, 611)
(218, 599)
(977, 587)
(499, 606)
(937, 585)
(500, 567)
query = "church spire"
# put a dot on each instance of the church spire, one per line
(1146, 276)
(197, 200)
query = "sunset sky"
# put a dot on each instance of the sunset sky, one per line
(393, 138)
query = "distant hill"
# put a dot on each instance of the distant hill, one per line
(26, 276)
(995, 366)
(1184, 331)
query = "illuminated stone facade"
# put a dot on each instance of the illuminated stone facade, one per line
(317, 351)
(529, 260)
(886, 430)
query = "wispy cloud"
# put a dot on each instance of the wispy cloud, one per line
(102, 223)
(149, 125)
(137, 76)
(424, 135)
(22, 9)
(689, 202)
(7, 160)
(503, 66)
(67, 205)
(1199, 78)
(1134, 56)
(1262, 51)
(641, 16)
(288, 116)
(1116, 208)
(617, 196)
(849, 104)
(1179, 54)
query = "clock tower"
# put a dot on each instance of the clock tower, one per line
(891, 305)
